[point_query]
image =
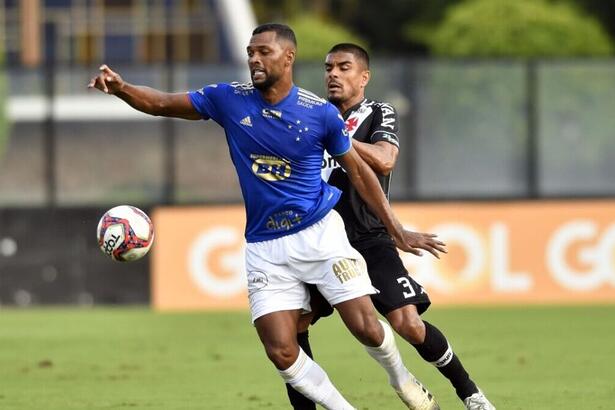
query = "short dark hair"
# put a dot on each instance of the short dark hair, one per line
(354, 49)
(281, 31)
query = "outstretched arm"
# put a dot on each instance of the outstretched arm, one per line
(367, 185)
(145, 99)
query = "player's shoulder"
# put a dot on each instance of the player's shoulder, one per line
(308, 99)
(237, 87)
(381, 106)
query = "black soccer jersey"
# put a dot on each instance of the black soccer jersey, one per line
(369, 121)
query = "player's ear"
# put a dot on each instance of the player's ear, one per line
(365, 76)
(290, 56)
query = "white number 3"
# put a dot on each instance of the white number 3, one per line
(405, 282)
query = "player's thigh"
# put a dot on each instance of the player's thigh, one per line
(357, 312)
(389, 275)
(278, 327)
(343, 278)
(278, 334)
(360, 318)
(318, 304)
(272, 287)
(322, 256)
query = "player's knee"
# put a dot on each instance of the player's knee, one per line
(408, 326)
(369, 332)
(360, 318)
(282, 355)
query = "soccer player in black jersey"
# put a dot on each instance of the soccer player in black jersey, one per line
(373, 126)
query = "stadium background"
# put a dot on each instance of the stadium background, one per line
(508, 151)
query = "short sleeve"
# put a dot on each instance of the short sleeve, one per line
(208, 100)
(384, 124)
(337, 140)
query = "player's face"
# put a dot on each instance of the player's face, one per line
(267, 59)
(345, 77)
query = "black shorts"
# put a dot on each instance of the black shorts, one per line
(389, 275)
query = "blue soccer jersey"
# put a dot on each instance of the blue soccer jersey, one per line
(277, 151)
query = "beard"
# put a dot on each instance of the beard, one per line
(335, 99)
(266, 84)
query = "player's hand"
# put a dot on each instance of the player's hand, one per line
(108, 81)
(412, 242)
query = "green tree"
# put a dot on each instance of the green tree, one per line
(521, 28)
(601, 10)
(315, 23)
(315, 37)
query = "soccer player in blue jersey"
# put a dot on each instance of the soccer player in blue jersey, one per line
(277, 134)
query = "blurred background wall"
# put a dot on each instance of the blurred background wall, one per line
(497, 100)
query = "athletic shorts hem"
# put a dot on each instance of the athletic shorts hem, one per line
(266, 311)
(350, 296)
(422, 304)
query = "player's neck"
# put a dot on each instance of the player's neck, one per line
(277, 92)
(344, 106)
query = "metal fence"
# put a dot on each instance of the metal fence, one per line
(468, 130)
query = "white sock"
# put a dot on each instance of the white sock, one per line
(389, 358)
(310, 379)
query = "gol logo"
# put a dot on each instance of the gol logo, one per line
(271, 169)
(111, 243)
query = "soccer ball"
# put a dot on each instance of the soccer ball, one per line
(125, 233)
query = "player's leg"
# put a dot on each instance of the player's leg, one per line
(276, 301)
(360, 318)
(401, 300)
(340, 274)
(320, 308)
(277, 331)
(433, 347)
(298, 400)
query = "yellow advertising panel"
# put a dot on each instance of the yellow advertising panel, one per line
(501, 252)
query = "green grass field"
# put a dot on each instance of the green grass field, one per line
(522, 357)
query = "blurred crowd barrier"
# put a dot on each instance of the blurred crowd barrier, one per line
(51, 256)
(468, 130)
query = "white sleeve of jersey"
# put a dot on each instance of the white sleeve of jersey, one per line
(328, 165)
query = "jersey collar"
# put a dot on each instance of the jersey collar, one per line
(350, 110)
(291, 94)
